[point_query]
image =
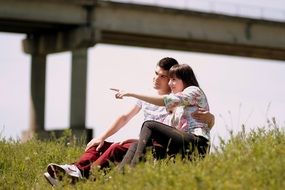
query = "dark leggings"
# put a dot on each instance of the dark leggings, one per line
(171, 139)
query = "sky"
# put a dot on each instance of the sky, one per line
(240, 90)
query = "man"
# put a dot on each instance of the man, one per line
(100, 152)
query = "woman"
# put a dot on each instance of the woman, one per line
(179, 132)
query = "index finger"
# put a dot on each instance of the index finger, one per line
(114, 89)
(87, 147)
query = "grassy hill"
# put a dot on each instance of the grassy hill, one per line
(255, 160)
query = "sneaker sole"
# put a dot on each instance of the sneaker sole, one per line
(50, 179)
(56, 171)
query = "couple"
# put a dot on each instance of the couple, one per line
(157, 123)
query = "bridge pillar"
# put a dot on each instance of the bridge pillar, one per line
(38, 89)
(78, 89)
(78, 93)
(37, 106)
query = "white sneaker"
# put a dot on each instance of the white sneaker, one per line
(50, 179)
(55, 170)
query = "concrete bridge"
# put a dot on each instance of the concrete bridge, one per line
(53, 26)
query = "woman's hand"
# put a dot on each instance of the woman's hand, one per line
(120, 93)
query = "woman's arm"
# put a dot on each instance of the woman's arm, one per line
(155, 99)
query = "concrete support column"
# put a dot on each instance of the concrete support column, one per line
(38, 89)
(78, 89)
(37, 109)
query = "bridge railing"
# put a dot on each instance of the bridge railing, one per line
(249, 10)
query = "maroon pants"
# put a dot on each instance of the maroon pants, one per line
(109, 152)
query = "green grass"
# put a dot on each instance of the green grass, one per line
(254, 160)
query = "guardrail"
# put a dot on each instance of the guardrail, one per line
(248, 10)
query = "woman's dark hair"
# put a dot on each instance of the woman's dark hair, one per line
(166, 63)
(185, 73)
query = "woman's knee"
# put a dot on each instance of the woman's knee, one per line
(150, 124)
(147, 124)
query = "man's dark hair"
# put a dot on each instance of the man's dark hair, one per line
(167, 62)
